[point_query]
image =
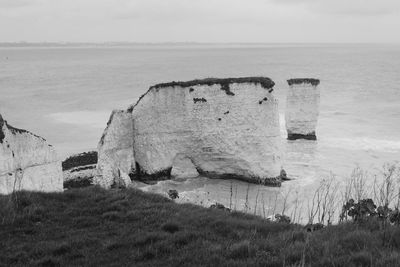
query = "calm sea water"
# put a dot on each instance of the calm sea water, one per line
(66, 95)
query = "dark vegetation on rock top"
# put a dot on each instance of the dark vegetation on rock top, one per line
(95, 227)
(13, 130)
(79, 160)
(265, 82)
(311, 81)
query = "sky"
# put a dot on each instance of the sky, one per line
(219, 21)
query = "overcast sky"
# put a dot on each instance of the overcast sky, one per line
(200, 20)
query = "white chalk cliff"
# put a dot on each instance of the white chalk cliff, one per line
(222, 128)
(115, 151)
(302, 108)
(27, 162)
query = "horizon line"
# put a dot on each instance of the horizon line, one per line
(116, 43)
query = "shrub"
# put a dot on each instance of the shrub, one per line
(173, 194)
(394, 216)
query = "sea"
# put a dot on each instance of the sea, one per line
(66, 94)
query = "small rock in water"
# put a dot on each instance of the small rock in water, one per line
(173, 194)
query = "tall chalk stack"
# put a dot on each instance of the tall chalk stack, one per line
(302, 108)
(222, 128)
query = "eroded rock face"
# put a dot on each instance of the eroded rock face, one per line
(183, 167)
(79, 170)
(116, 162)
(27, 162)
(302, 108)
(222, 128)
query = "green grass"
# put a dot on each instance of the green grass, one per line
(95, 227)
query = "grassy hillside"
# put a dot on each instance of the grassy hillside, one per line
(94, 227)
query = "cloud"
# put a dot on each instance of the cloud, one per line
(15, 3)
(201, 10)
(347, 7)
(200, 20)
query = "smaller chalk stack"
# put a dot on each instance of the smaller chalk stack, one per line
(302, 108)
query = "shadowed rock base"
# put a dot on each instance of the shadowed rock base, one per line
(144, 177)
(166, 175)
(310, 136)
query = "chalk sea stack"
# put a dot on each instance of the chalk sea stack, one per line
(220, 128)
(302, 108)
(116, 163)
(27, 162)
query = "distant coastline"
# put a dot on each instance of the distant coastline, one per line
(23, 44)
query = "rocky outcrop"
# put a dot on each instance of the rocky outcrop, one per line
(302, 108)
(183, 167)
(116, 163)
(222, 128)
(79, 170)
(27, 162)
